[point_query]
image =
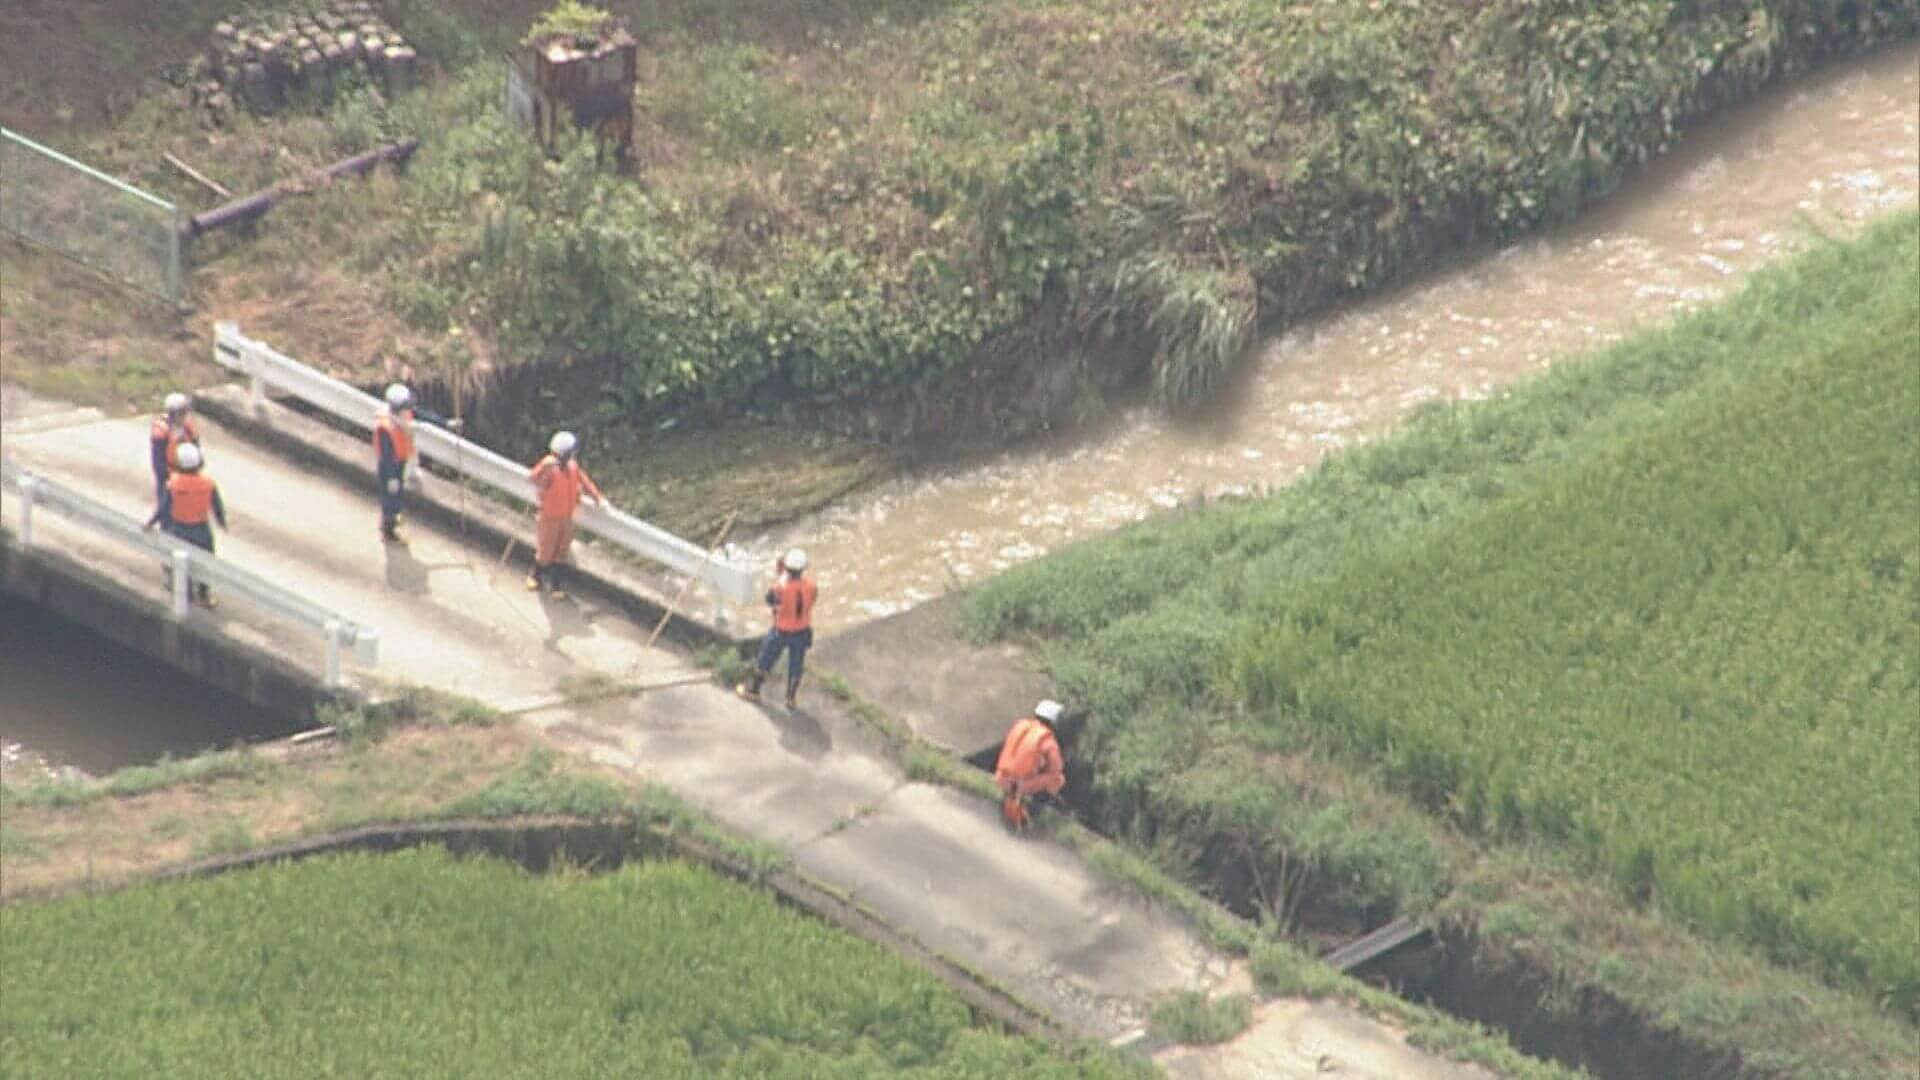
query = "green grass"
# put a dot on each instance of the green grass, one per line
(136, 779)
(1689, 653)
(1655, 611)
(1193, 1018)
(358, 965)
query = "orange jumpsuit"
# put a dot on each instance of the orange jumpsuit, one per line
(560, 485)
(1030, 764)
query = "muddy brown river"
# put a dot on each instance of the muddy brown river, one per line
(70, 699)
(1822, 155)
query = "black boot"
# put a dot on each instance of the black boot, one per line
(751, 688)
(793, 690)
(556, 578)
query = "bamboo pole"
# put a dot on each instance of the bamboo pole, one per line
(725, 528)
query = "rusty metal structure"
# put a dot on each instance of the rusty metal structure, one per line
(588, 82)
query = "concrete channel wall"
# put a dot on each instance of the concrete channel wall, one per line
(72, 591)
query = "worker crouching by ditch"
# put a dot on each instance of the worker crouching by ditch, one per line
(561, 483)
(172, 429)
(792, 599)
(187, 501)
(1031, 765)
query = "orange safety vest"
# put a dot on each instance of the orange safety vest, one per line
(401, 433)
(174, 437)
(192, 498)
(793, 604)
(560, 485)
(1030, 750)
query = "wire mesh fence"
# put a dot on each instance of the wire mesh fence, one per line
(52, 200)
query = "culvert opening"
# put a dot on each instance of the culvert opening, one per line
(77, 699)
(1446, 967)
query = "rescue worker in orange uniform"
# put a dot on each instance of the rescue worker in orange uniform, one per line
(395, 455)
(792, 599)
(1030, 763)
(188, 500)
(172, 429)
(561, 483)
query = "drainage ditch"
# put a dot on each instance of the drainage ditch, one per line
(1447, 967)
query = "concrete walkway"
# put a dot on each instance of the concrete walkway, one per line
(931, 861)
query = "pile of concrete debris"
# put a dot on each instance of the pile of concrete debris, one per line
(261, 61)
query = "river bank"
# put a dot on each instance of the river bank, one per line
(376, 280)
(1232, 661)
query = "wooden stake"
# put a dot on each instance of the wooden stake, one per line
(194, 174)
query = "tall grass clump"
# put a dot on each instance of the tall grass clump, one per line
(1656, 609)
(346, 965)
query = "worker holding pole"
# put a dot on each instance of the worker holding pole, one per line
(792, 599)
(561, 483)
(186, 503)
(172, 429)
(396, 459)
(1030, 764)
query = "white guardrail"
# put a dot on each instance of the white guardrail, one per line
(190, 566)
(267, 369)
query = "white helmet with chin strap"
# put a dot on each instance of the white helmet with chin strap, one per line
(176, 403)
(1048, 710)
(187, 456)
(398, 396)
(794, 560)
(562, 443)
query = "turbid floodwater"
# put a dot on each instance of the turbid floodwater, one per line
(70, 699)
(1821, 155)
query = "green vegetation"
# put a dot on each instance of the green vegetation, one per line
(1195, 1019)
(898, 217)
(135, 779)
(343, 965)
(1692, 556)
(569, 19)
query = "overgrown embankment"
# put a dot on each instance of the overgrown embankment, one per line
(347, 964)
(1651, 618)
(911, 217)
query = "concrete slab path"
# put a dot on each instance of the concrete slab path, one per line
(931, 861)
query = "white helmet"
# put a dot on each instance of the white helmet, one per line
(795, 560)
(176, 403)
(398, 396)
(187, 456)
(1048, 710)
(562, 443)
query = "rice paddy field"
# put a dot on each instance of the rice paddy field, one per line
(1659, 609)
(420, 964)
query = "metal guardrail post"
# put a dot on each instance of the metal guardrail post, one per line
(182, 583)
(333, 652)
(27, 484)
(366, 646)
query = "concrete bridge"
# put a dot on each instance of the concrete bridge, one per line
(452, 615)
